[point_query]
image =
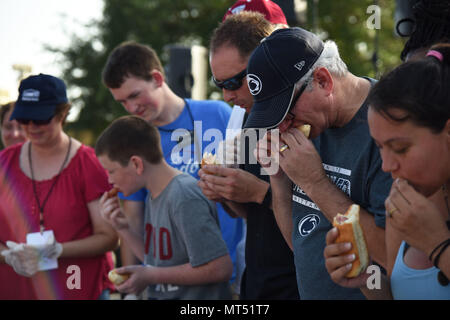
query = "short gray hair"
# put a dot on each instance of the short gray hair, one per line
(329, 59)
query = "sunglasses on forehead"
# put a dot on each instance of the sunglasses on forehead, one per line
(232, 83)
(35, 122)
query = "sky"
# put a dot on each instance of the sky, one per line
(26, 26)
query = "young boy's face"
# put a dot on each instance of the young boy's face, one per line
(123, 178)
(140, 98)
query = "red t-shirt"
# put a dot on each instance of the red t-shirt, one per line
(66, 213)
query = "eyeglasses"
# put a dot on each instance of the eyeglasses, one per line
(290, 115)
(232, 83)
(35, 122)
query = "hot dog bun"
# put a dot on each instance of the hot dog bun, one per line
(116, 278)
(113, 192)
(350, 231)
(305, 129)
(209, 158)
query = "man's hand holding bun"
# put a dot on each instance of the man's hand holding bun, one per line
(305, 129)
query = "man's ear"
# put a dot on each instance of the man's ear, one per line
(158, 77)
(138, 164)
(324, 79)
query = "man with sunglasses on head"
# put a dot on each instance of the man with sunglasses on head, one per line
(270, 271)
(135, 77)
(298, 79)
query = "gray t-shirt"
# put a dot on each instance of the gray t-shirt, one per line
(353, 163)
(181, 226)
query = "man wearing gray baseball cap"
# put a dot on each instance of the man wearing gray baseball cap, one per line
(296, 79)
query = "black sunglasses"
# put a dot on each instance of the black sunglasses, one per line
(232, 83)
(35, 122)
(290, 115)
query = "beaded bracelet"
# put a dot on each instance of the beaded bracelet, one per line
(442, 279)
(443, 243)
(436, 260)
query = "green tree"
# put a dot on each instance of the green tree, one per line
(159, 23)
(156, 23)
(345, 22)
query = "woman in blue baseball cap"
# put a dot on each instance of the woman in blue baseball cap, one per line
(52, 238)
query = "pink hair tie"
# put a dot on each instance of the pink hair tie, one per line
(436, 54)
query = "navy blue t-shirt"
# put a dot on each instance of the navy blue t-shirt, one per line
(353, 163)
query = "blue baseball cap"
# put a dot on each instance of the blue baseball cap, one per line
(38, 97)
(275, 66)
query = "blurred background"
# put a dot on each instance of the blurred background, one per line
(72, 39)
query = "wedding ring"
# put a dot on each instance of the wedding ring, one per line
(390, 212)
(283, 148)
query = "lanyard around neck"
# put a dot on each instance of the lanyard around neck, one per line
(41, 207)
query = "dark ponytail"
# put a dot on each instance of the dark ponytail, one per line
(419, 88)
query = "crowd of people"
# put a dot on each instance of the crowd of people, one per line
(258, 227)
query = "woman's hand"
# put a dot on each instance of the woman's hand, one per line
(417, 220)
(24, 259)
